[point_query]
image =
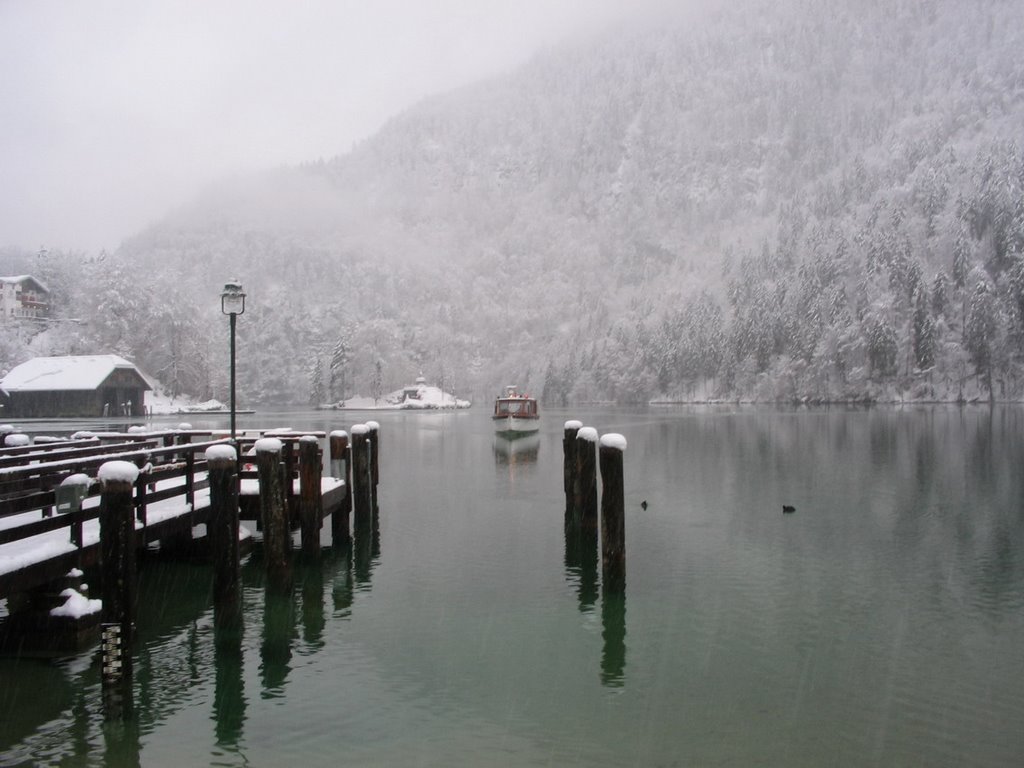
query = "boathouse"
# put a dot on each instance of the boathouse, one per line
(60, 387)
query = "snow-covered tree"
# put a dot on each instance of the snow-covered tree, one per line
(341, 358)
(316, 382)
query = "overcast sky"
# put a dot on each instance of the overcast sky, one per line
(114, 111)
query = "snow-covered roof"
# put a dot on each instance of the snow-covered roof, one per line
(15, 279)
(44, 374)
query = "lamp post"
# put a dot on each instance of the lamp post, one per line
(232, 304)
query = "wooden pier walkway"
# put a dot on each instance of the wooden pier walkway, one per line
(50, 502)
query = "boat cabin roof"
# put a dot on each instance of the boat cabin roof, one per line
(512, 393)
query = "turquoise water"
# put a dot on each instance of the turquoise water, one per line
(879, 624)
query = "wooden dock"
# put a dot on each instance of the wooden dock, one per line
(51, 497)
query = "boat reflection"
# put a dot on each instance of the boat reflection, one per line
(516, 450)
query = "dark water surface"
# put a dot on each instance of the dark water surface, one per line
(882, 623)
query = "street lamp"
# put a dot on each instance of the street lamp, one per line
(232, 304)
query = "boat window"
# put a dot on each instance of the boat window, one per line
(515, 407)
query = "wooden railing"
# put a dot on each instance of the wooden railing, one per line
(289, 463)
(171, 467)
(165, 473)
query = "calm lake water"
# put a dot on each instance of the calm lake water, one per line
(882, 623)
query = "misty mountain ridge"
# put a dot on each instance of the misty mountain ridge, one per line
(762, 203)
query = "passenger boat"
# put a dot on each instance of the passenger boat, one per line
(515, 414)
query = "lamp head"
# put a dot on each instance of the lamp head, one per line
(232, 298)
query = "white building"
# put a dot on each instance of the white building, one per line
(22, 296)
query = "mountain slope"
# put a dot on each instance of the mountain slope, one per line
(754, 203)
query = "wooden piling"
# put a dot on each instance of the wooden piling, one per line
(362, 494)
(184, 438)
(222, 534)
(273, 510)
(289, 467)
(310, 499)
(613, 527)
(341, 467)
(117, 569)
(374, 428)
(569, 465)
(585, 485)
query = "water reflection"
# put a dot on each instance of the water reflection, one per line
(613, 635)
(365, 545)
(229, 703)
(277, 636)
(313, 621)
(121, 742)
(899, 579)
(342, 582)
(581, 560)
(581, 563)
(516, 450)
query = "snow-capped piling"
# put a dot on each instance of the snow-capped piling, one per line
(613, 529)
(222, 533)
(273, 511)
(310, 501)
(374, 428)
(117, 570)
(362, 481)
(189, 457)
(341, 467)
(585, 486)
(569, 465)
(363, 518)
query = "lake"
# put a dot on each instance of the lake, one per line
(881, 623)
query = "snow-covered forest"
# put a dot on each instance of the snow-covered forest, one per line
(774, 202)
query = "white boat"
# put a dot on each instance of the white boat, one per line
(515, 414)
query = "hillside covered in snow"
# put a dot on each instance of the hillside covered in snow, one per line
(774, 201)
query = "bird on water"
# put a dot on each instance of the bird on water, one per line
(787, 509)
(643, 504)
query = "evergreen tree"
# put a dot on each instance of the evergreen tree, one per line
(341, 357)
(881, 347)
(980, 329)
(378, 381)
(924, 335)
(961, 259)
(940, 294)
(316, 382)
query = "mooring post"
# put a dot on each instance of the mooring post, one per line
(310, 499)
(222, 533)
(17, 440)
(117, 570)
(613, 524)
(569, 465)
(585, 487)
(291, 501)
(374, 428)
(184, 438)
(362, 495)
(273, 510)
(341, 468)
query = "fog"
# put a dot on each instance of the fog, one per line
(113, 112)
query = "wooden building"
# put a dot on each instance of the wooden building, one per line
(58, 387)
(23, 297)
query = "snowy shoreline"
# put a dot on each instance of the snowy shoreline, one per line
(419, 397)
